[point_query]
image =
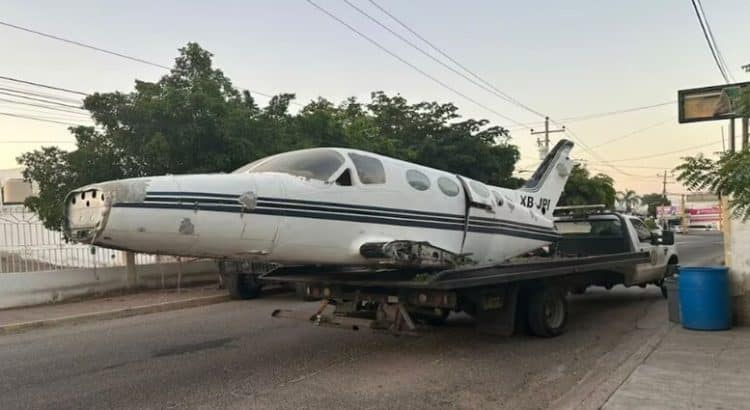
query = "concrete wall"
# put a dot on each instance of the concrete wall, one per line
(737, 256)
(34, 288)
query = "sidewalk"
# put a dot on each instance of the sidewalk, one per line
(148, 301)
(690, 369)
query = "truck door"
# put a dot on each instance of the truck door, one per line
(652, 270)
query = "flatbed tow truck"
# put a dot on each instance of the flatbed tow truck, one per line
(526, 293)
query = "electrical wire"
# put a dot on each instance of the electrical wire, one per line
(662, 154)
(454, 61)
(708, 41)
(37, 142)
(422, 51)
(23, 91)
(630, 134)
(407, 63)
(715, 43)
(44, 107)
(106, 51)
(34, 118)
(51, 87)
(25, 97)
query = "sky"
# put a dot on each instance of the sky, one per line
(563, 59)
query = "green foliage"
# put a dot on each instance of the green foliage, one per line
(583, 189)
(650, 223)
(728, 176)
(194, 120)
(629, 198)
(653, 201)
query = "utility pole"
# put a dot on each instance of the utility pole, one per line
(664, 183)
(685, 220)
(544, 144)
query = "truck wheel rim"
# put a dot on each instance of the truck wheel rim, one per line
(554, 313)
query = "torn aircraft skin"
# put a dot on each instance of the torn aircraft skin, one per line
(330, 206)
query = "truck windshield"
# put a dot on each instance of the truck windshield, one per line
(608, 228)
(316, 163)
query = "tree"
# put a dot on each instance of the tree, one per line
(728, 176)
(653, 201)
(630, 199)
(193, 120)
(583, 189)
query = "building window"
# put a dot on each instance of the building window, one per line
(370, 170)
(417, 180)
(448, 186)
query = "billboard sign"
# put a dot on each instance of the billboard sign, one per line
(711, 103)
(668, 211)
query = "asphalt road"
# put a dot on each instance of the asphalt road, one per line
(234, 355)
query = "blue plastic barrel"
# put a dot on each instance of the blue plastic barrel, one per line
(705, 302)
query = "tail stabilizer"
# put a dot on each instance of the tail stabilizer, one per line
(548, 182)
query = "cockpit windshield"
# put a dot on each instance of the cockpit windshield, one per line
(316, 163)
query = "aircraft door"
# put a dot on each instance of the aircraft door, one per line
(260, 225)
(478, 196)
(479, 204)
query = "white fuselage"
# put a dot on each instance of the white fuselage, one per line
(292, 219)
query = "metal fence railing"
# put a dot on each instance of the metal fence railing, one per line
(27, 246)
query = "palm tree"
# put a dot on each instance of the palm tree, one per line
(630, 199)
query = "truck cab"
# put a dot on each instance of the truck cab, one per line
(602, 232)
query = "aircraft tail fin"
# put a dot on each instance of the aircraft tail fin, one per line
(548, 181)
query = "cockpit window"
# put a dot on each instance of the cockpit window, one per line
(319, 163)
(370, 170)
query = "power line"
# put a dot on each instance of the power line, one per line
(34, 118)
(713, 40)
(603, 114)
(37, 142)
(595, 154)
(708, 41)
(42, 95)
(43, 85)
(103, 50)
(78, 43)
(25, 97)
(483, 84)
(630, 134)
(43, 106)
(412, 66)
(661, 154)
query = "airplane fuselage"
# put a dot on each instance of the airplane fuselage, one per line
(288, 214)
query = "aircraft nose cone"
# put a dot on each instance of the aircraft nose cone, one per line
(86, 210)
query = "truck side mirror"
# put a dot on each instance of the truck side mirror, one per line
(667, 238)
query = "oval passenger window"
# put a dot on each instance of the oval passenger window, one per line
(417, 180)
(448, 187)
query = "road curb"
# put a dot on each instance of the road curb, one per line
(596, 388)
(113, 314)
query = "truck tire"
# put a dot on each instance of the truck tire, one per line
(242, 286)
(547, 312)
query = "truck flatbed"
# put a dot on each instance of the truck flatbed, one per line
(461, 277)
(391, 299)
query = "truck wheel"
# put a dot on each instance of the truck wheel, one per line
(242, 286)
(547, 312)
